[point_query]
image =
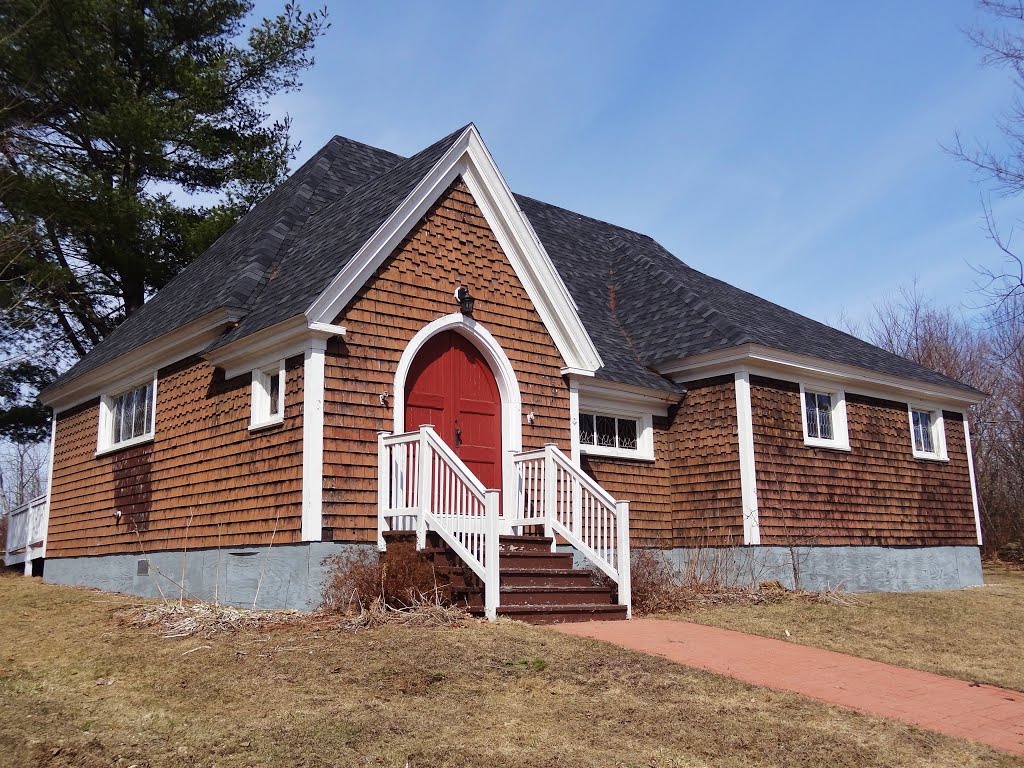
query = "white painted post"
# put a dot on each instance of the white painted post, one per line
(492, 570)
(550, 491)
(383, 487)
(625, 583)
(423, 491)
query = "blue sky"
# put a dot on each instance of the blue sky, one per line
(791, 148)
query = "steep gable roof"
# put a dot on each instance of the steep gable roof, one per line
(230, 272)
(327, 239)
(641, 306)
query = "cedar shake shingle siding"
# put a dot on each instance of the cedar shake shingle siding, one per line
(706, 467)
(876, 493)
(690, 495)
(204, 481)
(451, 246)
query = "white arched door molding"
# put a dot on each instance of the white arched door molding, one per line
(504, 375)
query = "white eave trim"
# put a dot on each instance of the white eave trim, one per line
(469, 158)
(764, 361)
(190, 339)
(651, 401)
(278, 342)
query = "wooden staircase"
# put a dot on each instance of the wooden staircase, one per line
(537, 585)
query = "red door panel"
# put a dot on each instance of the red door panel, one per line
(451, 386)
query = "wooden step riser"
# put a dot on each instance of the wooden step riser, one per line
(537, 561)
(566, 616)
(556, 614)
(540, 579)
(560, 597)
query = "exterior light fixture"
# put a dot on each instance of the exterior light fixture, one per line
(466, 301)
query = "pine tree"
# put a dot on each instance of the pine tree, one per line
(112, 114)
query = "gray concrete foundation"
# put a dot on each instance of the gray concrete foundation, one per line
(853, 569)
(286, 576)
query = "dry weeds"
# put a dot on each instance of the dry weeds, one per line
(78, 687)
(972, 634)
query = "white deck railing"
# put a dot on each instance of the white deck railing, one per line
(26, 532)
(423, 486)
(558, 495)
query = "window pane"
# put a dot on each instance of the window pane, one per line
(606, 431)
(923, 432)
(586, 429)
(811, 406)
(141, 410)
(627, 434)
(116, 409)
(825, 417)
(275, 393)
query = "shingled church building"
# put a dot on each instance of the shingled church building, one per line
(389, 344)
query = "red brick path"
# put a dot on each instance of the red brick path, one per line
(982, 713)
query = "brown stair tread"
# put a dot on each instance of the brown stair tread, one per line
(554, 588)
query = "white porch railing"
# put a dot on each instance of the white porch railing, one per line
(558, 495)
(423, 486)
(26, 532)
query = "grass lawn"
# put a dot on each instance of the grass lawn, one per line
(78, 688)
(972, 634)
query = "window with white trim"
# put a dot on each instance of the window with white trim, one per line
(823, 411)
(927, 433)
(267, 396)
(615, 434)
(128, 417)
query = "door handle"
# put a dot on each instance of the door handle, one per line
(458, 437)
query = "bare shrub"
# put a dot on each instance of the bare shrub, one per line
(172, 619)
(400, 579)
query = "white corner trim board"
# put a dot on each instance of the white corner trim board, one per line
(469, 158)
(313, 439)
(748, 470)
(974, 486)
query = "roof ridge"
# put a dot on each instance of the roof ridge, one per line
(403, 162)
(713, 317)
(292, 214)
(617, 247)
(339, 138)
(602, 222)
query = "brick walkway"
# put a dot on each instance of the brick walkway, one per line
(982, 713)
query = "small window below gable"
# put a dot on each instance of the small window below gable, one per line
(267, 396)
(127, 417)
(927, 433)
(823, 412)
(607, 433)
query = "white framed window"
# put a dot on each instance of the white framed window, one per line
(927, 432)
(604, 432)
(823, 412)
(127, 417)
(267, 396)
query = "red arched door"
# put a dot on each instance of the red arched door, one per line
(451, 386)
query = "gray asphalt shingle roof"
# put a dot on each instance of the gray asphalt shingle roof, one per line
(640, 304)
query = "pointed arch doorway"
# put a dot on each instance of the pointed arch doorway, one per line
(451, 385)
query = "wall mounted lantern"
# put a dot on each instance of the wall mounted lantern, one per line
(466, 301)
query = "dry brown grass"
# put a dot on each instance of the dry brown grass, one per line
(971, 634)
(78, 687)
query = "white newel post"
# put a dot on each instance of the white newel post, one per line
(550, 491)
(425, 459)
(625, 587)
(383, 486)
(491, 566)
